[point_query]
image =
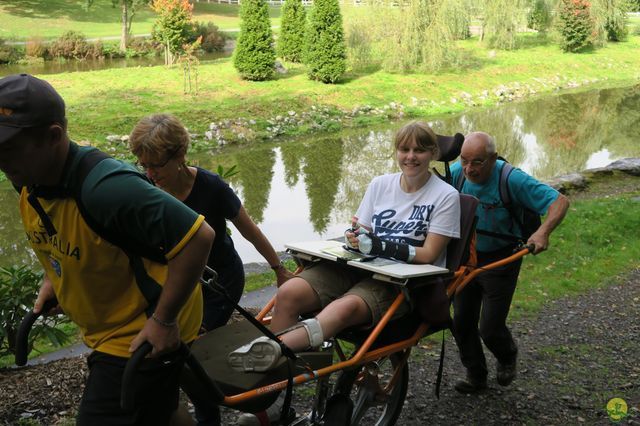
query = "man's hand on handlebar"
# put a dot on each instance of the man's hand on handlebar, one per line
(164, 337)
(539, 240)
(46, 293)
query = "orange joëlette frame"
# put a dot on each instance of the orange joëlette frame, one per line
(460, 279)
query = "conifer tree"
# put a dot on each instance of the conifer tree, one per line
(325, 53)
(254, 56)
(291, 42)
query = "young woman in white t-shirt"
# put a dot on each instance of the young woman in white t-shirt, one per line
(413, 213)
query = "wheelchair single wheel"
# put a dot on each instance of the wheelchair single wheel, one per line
(376, 400)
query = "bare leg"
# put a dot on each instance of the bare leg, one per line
(340, 314)
(294, 297)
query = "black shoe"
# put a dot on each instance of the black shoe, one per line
(471, 385)
(505, 373)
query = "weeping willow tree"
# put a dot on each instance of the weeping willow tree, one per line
(610, 18)
(501, 20)
(425, 31)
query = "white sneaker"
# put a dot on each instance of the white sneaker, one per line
(262, 354)
(266, 417)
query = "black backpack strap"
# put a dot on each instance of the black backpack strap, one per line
(505, 196)
(149, 287)
(459, 182)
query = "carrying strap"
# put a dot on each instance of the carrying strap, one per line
(134, 251)
(292, 358)
(440, 368)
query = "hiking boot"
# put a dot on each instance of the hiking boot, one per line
(505, 373)
(262, 354)
(270, 416)
(471, 385)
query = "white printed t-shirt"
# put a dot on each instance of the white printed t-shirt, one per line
(395, 215)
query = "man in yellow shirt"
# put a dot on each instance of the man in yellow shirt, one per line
(122, 257)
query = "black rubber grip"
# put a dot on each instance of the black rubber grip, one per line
(127, 397)
(22, 338)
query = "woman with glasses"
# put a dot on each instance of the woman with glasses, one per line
(160, 143)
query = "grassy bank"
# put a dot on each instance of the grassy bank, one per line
(111, 101)
(49, 19)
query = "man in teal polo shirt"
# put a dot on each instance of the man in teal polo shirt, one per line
(481, 309)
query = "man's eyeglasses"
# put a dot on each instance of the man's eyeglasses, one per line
(473, 163)
(144, 167)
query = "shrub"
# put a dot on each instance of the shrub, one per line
(292, 28)
(36, 48)
(325, 53)
(254, 56)
(18, 291)
(213, 39)
(142, 46)
(73, 45)
(576, 25)
(9, 53)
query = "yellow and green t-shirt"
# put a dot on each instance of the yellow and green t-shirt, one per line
(92, 278)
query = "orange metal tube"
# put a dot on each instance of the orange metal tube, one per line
(490, 266)
(361, 357)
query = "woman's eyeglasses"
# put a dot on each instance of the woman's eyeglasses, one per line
(144, 167)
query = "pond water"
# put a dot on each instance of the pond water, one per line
(61, 66)
(308, 188)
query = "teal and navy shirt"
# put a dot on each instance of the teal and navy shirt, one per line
(524, 190)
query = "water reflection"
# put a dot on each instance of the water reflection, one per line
(61, 66)
(309, 188)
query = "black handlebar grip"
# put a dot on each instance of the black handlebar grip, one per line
(22, 338)
(127, 396)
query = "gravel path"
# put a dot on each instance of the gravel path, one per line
(575, 356)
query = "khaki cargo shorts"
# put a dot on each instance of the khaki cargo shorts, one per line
(332, 280)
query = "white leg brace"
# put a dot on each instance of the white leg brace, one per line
(312, 326)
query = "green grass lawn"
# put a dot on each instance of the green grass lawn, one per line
(113, 100)
(23, 19)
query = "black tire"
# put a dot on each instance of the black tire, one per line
(372, 405)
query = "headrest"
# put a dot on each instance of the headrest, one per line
(449, 146)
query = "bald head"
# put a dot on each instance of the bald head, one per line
(481, 140)
(478, 156)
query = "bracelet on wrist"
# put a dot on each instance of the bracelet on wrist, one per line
(163, 323)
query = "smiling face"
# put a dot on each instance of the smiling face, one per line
(413, 159)
(478, 157)
(416, 146)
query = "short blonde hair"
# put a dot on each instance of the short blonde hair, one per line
(421, 133)
(159, 133)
